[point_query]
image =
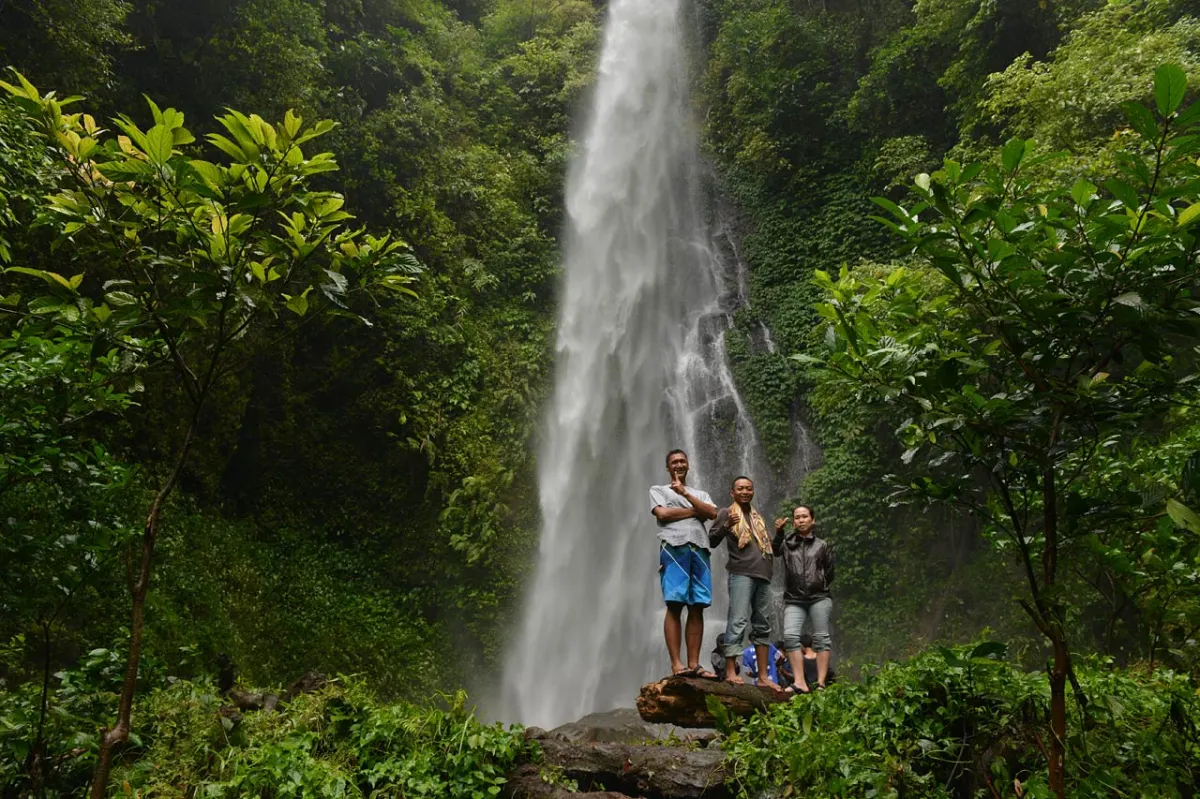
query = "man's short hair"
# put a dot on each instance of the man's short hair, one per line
(742, 477)
(675, 452)
(807, 508)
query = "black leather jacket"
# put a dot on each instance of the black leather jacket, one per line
(808, 564)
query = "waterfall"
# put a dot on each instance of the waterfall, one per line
(647, 298)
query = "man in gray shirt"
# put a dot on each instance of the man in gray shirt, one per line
(683, 561)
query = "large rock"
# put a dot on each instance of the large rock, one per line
(656, 772)
(527, 783)
(682, 701)
(623, 725)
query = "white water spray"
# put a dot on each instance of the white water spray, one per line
(645, 305)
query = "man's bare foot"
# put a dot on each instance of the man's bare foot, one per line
(767, 682)
(735, 680)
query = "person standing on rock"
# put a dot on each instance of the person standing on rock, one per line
(808, 565)
(751, 560)
(683, 561)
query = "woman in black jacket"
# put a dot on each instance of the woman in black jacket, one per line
(808, 564)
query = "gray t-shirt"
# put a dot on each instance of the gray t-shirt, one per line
(684, 531)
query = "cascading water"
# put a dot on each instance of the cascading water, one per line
(645, 305)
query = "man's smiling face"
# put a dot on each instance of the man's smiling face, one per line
(678, 466)
(742, 491)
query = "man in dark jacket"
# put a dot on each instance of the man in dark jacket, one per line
(808, 565)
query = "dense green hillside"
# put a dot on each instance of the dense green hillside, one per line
(817, 107)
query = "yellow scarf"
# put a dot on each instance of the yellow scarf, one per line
(744, 528)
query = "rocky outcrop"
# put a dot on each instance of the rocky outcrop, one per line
(683, 701)
(612, 769)
(620, 753)
(623, 725)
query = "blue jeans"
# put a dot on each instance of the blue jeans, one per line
(749, 604)
(798, 616)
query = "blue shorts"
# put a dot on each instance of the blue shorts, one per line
(685, 575)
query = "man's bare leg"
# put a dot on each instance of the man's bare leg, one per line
(796, 658)
(694, 633)
(762, 652)
(822, 667)
(673, 632)
(731, 675)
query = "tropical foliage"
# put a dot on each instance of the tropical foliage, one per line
(259, 411)
(957, 722)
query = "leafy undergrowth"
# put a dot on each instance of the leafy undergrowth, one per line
(965, 723)
(337, 742)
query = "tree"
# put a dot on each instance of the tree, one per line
(190, 264)
(1037, 327)
(68, 42)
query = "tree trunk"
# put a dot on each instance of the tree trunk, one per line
(118, 734)
(683, 701)
(1058, 637)
(1058, 716)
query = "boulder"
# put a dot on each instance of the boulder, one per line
(656, 772)
(527, 783)
(310, 682)
(683, 701)
(623, 725)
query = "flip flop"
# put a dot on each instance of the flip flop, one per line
(792, 689)
(702, 673)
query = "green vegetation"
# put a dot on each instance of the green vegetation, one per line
(339, 741)
(268, 381)
(1036, 328)
(818, 107)
(303, 461)
(961, 722)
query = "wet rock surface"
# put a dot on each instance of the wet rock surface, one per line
(602, 769)
(623, 725)
(662, 750)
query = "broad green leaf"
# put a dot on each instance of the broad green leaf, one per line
(1183, 516)
(891, 208)
(297, 304)
(1083, 192)
(226, 146)
(53, 278)
(1013, 154)
(1188, 115)
(209, 172)
(1170, 86)
(120, 299)
(1141, 119)
(1123, 192)
(1189, 215)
